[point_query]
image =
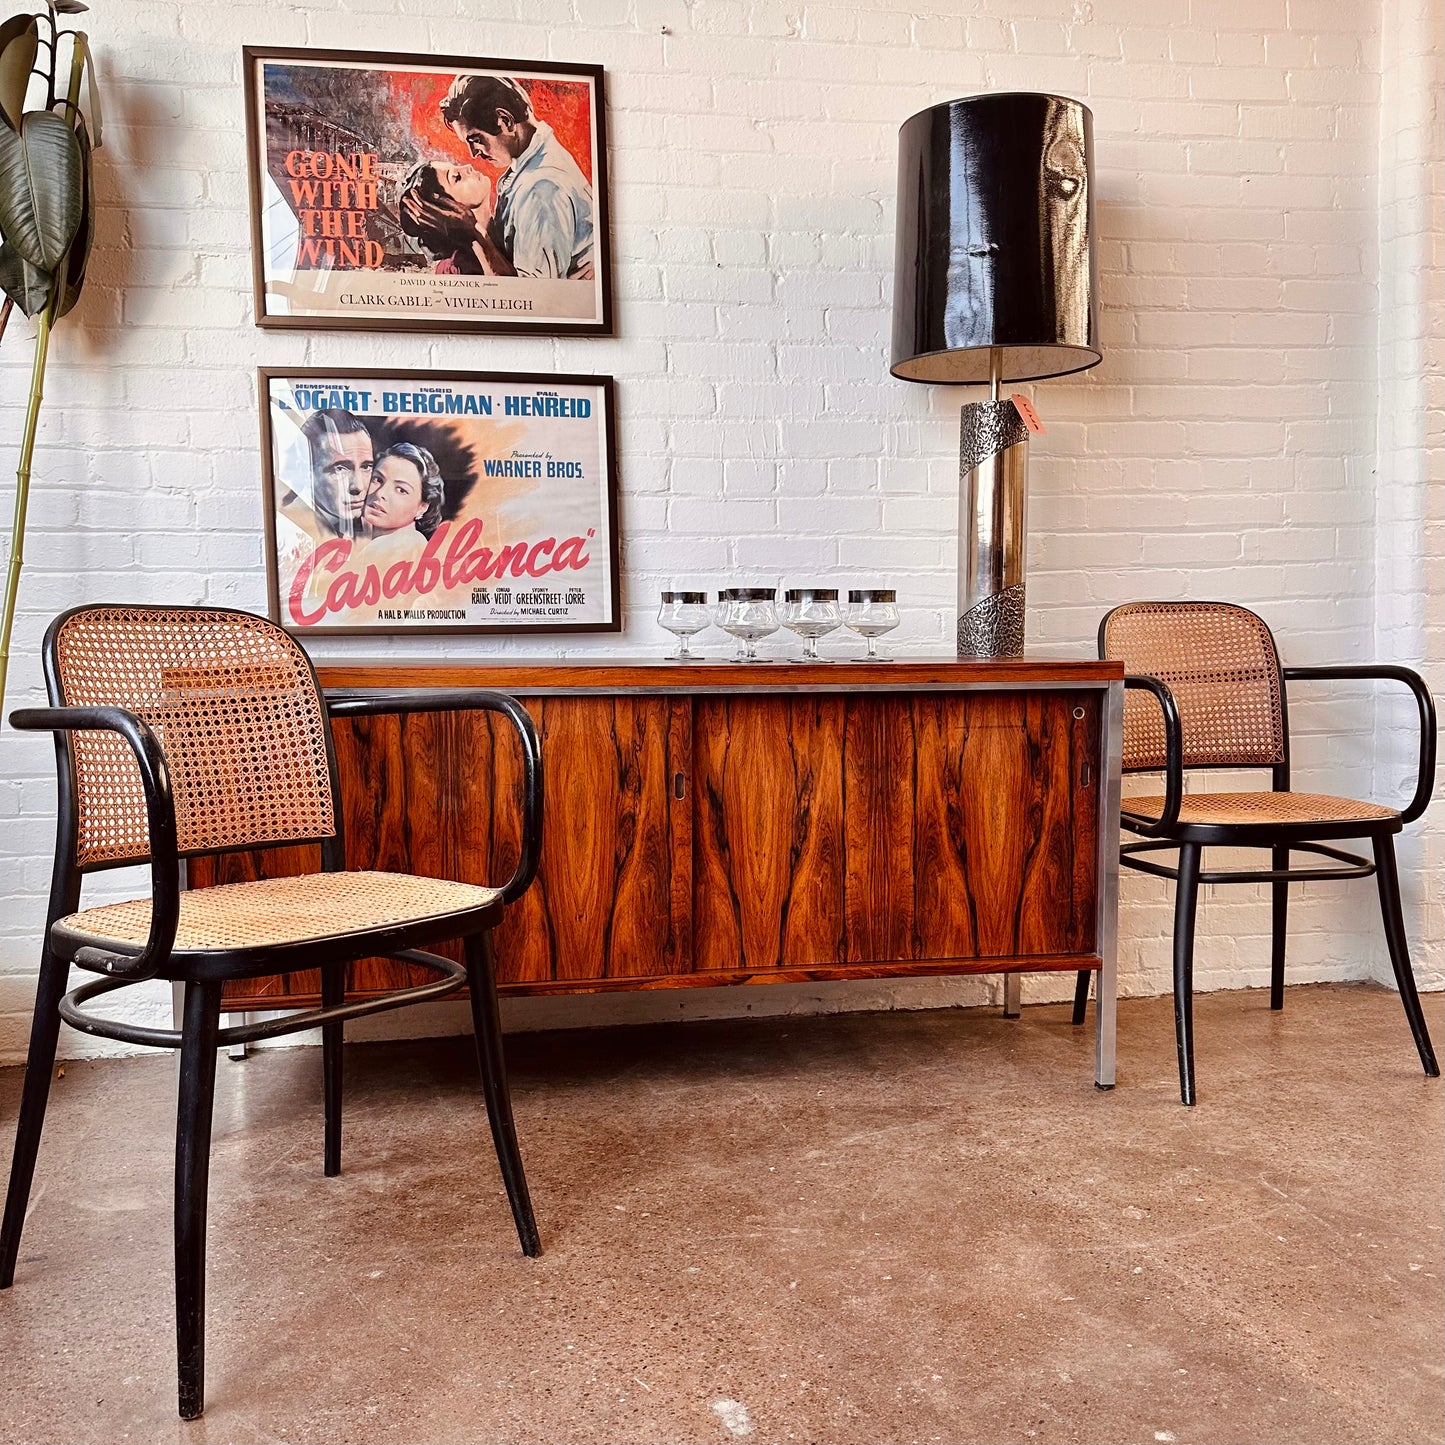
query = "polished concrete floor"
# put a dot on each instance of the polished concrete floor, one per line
(867, 1227)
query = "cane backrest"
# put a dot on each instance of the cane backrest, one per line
(234, 703)
(1219, 661)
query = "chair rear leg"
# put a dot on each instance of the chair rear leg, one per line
(1279, 859)
(1186, 898)
(1081, 995)
(39, 1066)
(482, 985)
(1389, 880)
(193, 1160)
(333, 992)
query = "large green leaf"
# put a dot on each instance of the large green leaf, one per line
(19, 37)
(79, 253)
(26, 285)
(40, 188)
(68, 7)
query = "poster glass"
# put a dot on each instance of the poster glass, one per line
(441, 193)
(439, 502)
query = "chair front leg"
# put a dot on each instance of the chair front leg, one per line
(486, 1020)
(1279, 920)
(39, 1067)
(193, 1160)
(333, 993)
(1389, 880)
(1186, 898)
(1081, 995)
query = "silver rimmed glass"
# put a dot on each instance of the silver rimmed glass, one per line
(811, 612)
(684, 614)
(871, 612)
(748, 613)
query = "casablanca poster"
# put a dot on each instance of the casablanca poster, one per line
(427, 193)
(439, 502)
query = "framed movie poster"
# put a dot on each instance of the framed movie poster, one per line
(413, 192)
(425, 502)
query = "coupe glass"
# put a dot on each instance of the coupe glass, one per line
(684, 614)
(871, 612)
(811, 612)
(748, 614)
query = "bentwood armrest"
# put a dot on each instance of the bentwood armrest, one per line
(1173, 753)
(1383, 672)
(160, 821)
(347, 703)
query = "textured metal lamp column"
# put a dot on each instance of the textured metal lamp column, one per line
(994, 281)
(992, 524)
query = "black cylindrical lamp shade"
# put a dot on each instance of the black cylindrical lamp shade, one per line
(996, 241)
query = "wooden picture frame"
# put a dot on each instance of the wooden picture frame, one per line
(441, 502)
(371, 210)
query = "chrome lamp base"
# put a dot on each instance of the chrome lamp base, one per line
(992, 503)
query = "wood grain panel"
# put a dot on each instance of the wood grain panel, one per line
(616, 902)
(968, 834)
(439, 794)
(390, 771)
(1004, 787)
(944, 925)
(1057, 913)
(767, 832)
(995, 803)
(804, 834)
(879, 763)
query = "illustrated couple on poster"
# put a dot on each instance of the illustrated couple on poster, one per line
(538, 218)
(388, 503)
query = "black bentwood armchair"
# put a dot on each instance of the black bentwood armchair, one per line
(1204, 689)
(184, 730)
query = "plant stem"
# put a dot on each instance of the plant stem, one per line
(54, 59)
(5, 311)
(77, 76)
(22, 494)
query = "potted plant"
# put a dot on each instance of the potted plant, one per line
(46, 213)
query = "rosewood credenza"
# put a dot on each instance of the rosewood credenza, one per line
(728, 823)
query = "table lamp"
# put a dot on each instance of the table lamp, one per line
(995, 281)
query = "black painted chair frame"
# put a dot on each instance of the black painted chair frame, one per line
(202, 975)
(1190, 839)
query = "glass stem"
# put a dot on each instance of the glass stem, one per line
(872, 647)
(682, 648)
(810, 649)
(750, 649)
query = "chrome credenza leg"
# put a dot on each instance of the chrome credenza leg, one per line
(1107, 932)
(1013, 992)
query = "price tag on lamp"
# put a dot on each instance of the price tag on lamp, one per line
(1027, 414)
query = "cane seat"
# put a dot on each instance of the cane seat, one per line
(276, 911)
(1244, 810)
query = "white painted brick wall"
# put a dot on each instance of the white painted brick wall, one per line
(1410, 485)
(1269, 241)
